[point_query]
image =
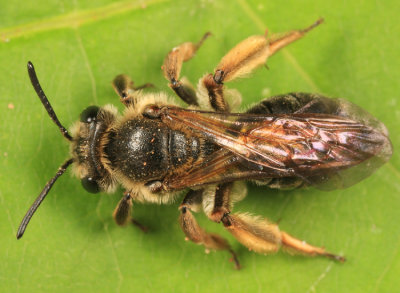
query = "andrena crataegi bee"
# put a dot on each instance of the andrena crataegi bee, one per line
(157, 150)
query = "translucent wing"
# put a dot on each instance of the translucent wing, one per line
(318, 148)
(221, 166)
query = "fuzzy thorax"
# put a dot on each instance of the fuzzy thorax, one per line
(90, 140)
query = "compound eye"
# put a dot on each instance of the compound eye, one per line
(90, 185)
(89, 114)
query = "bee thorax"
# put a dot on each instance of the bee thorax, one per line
(144, 150)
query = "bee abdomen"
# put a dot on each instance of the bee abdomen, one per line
(183, 148)
(296, 103)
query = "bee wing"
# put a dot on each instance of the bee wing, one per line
(221, 166)
(318, 148)
(211, 171)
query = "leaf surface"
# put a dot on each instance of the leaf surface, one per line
(72, 243)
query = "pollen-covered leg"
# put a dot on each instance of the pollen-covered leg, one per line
(253, 232)
(262, 236)
(172, 68)
(197, 234)
(254, 52)
(124, 87)
(122, 213)
(240, 61)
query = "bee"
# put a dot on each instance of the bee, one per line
(157, 150)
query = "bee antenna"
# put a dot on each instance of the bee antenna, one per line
(45, 101)
(40, 198)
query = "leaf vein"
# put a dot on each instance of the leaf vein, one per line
(393, 170)
(88, 66)
(387, 268)
(320, 278)
(74, 19)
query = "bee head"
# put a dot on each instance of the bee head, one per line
(86, 147)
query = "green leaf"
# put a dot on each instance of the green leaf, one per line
(72, 243)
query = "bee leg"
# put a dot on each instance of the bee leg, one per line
(172, 68)
(122, 213)
(262, 236)
(253, 52)
(197, 234)
(124, 87)
(212, 94)
(221, 202)
(240, 61)
(278, 41)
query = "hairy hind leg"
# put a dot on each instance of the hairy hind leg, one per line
(242, 60)
(262, 236)
(254, 232)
